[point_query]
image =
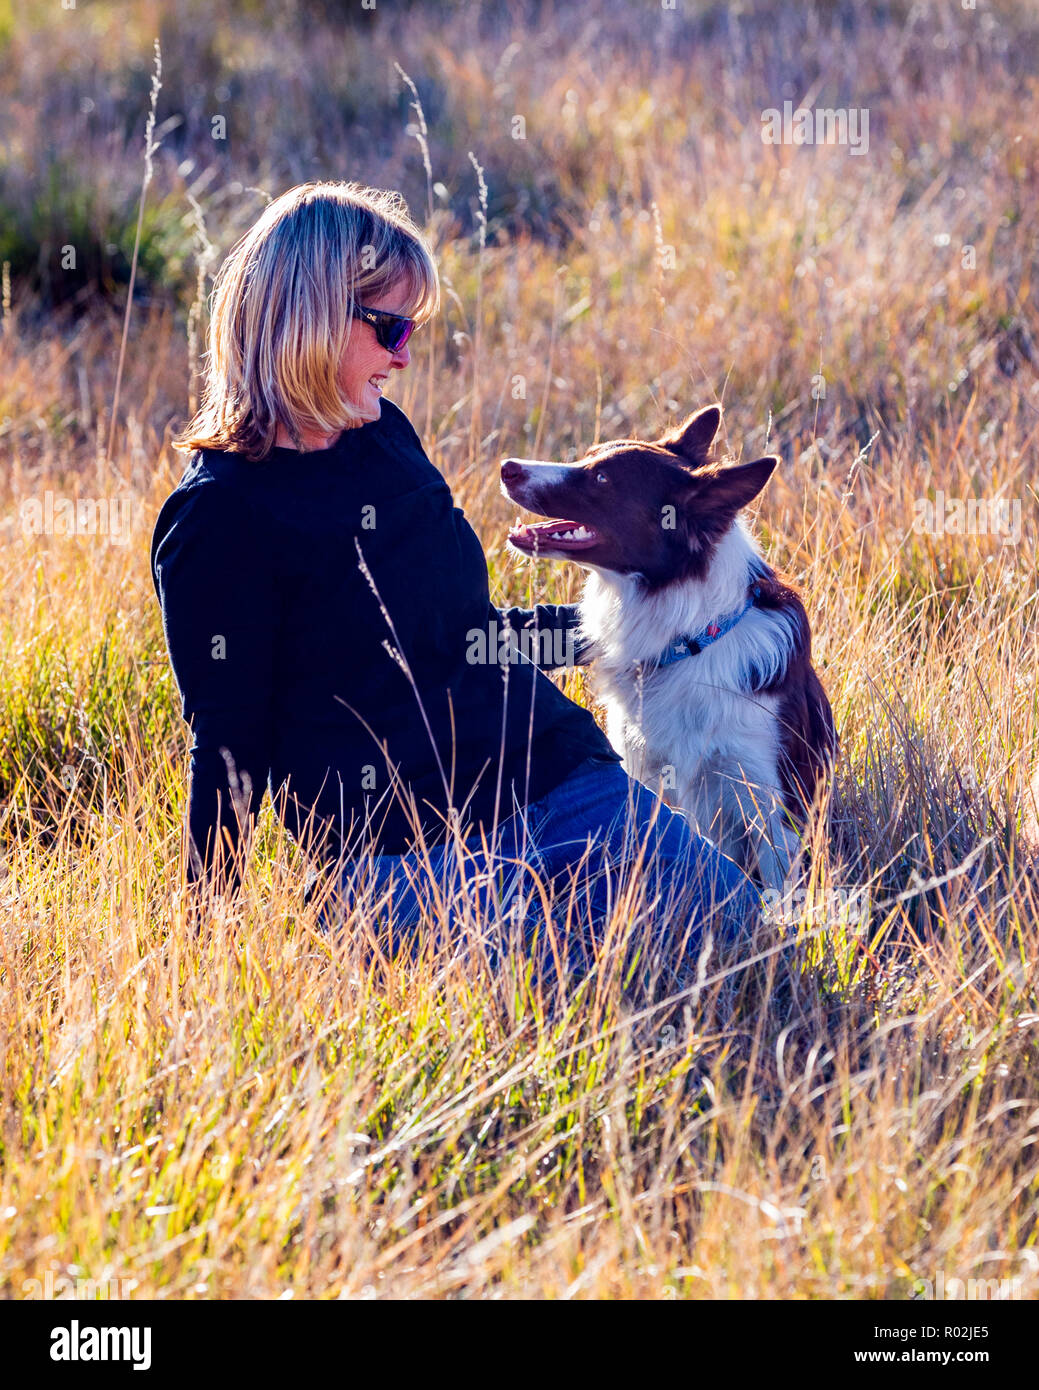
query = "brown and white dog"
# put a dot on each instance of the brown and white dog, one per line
(703, 653)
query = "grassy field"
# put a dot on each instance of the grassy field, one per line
(260, 1108)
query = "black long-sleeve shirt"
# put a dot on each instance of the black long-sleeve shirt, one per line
(281, 652)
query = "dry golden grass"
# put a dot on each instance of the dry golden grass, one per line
(262, 1107)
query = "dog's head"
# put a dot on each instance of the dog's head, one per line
(657, 510)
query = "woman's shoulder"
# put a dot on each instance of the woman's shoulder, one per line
(213, 495)
(223, 466)
(393, 422)
(412, 469)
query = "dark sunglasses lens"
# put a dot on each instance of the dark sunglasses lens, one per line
(398, 331)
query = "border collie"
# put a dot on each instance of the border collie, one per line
(703, 653)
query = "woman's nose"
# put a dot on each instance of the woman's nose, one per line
(401, 357)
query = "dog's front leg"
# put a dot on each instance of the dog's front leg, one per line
(624, 737)
(773, 841)
(778, 851)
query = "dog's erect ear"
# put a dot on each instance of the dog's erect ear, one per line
(730, 489)
(692, 440)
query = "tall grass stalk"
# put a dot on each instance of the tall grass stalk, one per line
(150, 148)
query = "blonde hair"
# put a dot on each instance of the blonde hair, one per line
(283, 310)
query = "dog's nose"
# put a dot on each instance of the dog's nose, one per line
(510, 470)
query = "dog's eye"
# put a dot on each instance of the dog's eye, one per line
(601, 478)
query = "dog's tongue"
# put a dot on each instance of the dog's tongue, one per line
(556, 533)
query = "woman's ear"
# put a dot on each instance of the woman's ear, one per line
(692, 440)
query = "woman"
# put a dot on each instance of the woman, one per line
(320, 592)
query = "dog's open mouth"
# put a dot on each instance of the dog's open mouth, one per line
(552, 535)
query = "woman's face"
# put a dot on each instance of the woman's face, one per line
(365, 365)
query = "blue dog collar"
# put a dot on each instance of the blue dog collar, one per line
(684, 645)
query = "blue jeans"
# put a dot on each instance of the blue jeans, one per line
(690, 885)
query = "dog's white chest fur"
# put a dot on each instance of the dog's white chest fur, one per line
(693, 730)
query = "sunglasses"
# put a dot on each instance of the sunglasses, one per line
(392, 331)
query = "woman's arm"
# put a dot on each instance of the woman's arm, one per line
(213, 573)
(559, 621)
